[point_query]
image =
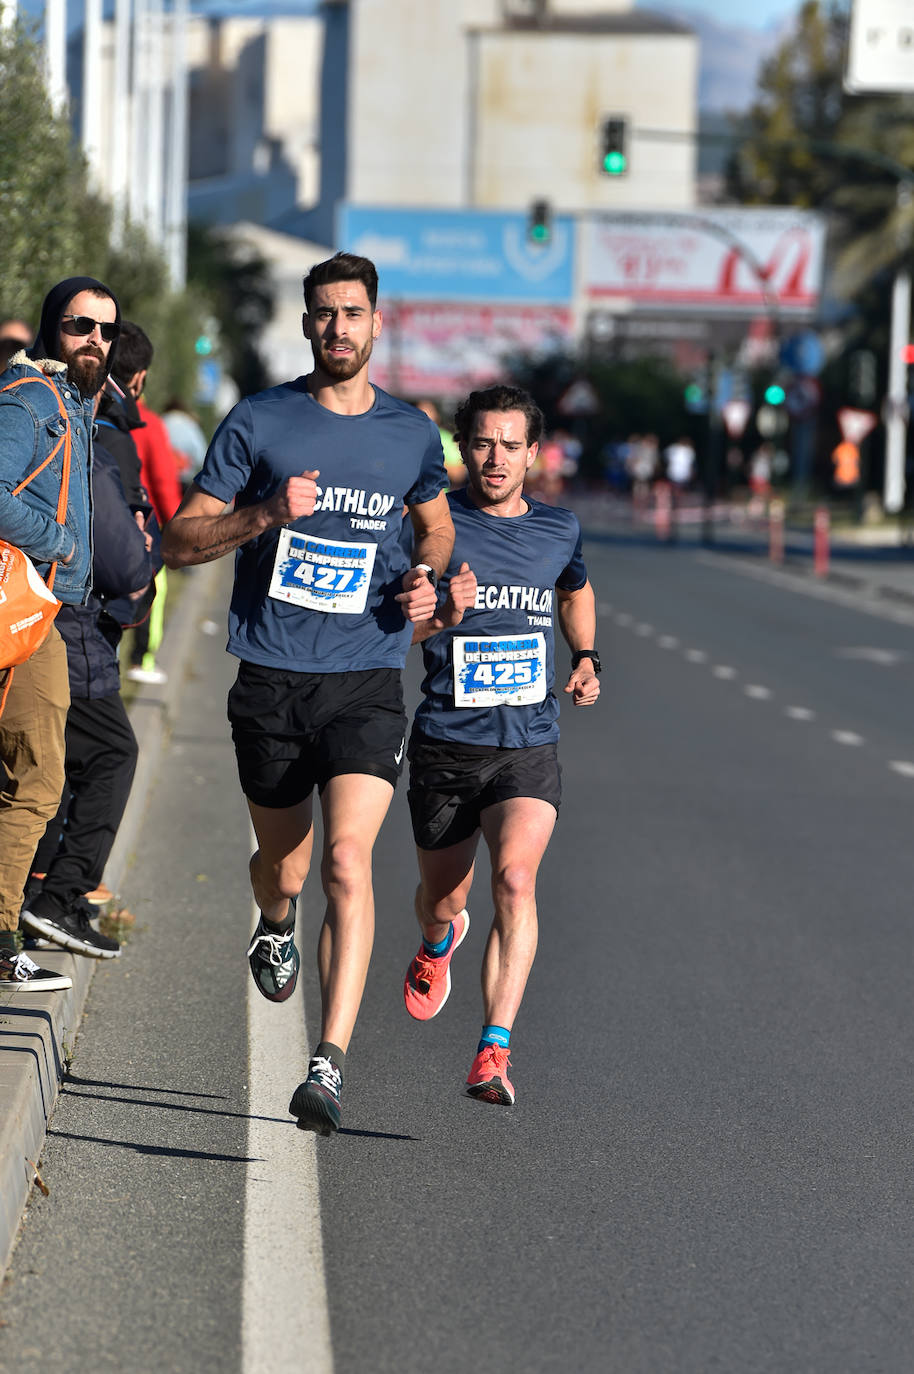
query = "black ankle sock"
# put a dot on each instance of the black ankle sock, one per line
(327, 1050)
(281, 926)
(7, 942)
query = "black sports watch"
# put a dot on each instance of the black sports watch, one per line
(586, 653)
(429, 573)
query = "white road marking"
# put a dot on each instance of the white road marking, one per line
(644, 630)
(847, 737)
(696, 656)
(603, 608)
(885, 658)
(799, 713)
(721, 670)
(668, 642)
(901, 766)
(623, 618)
(285, 1324)
(757, 692)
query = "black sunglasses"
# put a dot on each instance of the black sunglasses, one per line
(84, 324)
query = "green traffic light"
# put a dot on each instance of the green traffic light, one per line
(540, 233)
(614, 164)
(775, 395)
(694, 394)
(203, 346)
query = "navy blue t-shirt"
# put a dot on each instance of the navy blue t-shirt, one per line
(318, 595)
(489, 679)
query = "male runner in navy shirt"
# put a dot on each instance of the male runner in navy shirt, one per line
(482, 753)
(319, 471)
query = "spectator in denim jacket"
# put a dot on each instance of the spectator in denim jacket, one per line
(53, 388)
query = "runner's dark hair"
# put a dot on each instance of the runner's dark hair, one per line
(500, 398)
(342, 267)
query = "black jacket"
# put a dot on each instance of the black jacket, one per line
(120, 565)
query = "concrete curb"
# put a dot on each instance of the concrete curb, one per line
(37, 1031)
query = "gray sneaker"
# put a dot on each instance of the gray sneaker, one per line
(316, 1102)
(274, 960)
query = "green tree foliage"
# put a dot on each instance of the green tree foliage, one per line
(235, 278)
(805, 141)
(636, 396)
(55, 226)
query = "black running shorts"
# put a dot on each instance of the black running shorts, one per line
(450, 785)
(295, 731)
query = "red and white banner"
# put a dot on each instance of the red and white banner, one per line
(447, 349)
(739, 261)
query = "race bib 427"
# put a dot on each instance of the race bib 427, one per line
(322, 575)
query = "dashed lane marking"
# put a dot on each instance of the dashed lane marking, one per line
(757, 692)
(667, 642)
(724, 672)
(847, 737)
(799, 713)
(696, 656)
(903, 767)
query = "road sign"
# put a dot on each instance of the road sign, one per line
(855, 425)
(803, 353)
(880, 50)
(736, 414)
(579, 399)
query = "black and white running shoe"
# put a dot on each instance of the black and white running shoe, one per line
(19, 973)
(274, 959)
(70, 929)
(316, 1102)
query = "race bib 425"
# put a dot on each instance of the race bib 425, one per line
(322, 575)
(510, 671)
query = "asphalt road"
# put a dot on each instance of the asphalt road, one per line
(708, 1166)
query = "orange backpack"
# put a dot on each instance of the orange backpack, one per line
(27, 604)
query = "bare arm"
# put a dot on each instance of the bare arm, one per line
(578, 622)
(204, 528)
(433, 532)
(461, 594)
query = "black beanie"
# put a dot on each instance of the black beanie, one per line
(47, 340)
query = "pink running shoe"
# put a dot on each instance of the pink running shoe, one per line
(488, 1078)
(428, 981)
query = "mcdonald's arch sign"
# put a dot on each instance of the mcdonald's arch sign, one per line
(735, 261)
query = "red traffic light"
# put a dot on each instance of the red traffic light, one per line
(907, 353)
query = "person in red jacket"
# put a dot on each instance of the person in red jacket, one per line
(159, 474)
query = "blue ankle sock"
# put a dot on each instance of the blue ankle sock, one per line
(494, 1035)
(442, 946)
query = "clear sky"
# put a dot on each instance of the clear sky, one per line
(759, 14)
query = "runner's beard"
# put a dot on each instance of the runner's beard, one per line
(341, 369)
(86, 371)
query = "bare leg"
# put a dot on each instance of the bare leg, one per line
(517, 833)
(354, 806)
(445, 879)
(283, 858)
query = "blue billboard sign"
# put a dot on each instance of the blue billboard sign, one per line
(461, 255)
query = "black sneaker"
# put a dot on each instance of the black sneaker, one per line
(316, 1102)
(19, 973)
(274, 960)
(71, 929)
